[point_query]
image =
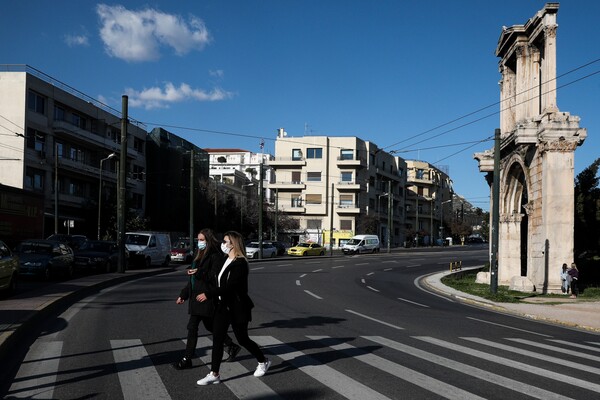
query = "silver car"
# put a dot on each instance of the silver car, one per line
(268, 250)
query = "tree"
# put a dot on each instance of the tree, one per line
(587, 209)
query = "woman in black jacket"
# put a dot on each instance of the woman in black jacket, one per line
(233, 307)
(202, 277)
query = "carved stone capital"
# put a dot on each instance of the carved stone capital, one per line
(550, 31)
(528, 208)
(562, 146)
(511, 218)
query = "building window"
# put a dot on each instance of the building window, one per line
(138, 173)
(296, 200)
(138, 145)
(296, 155)
(76, 188)
(313, 198)
(313, 177)
(34, 179)
(314, 153)
(296, 177)
(346, 154)
(346, 176)
(346, 224)
(36, 140)
(59, 113)
(36, 102)
(313, 224)
(346, 200)
(79, 121)
(420, 173)
(400, 171)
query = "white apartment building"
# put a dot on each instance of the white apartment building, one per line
(339, 187)
(429, 195)
(52, 135)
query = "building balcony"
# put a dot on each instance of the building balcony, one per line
(292, 209)
(287, 185)
(347, 209)
(287, 162)
(351, 162)
(349, 186)
(389, 175)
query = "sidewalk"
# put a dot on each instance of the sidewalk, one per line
(18, 313)
(564, 311)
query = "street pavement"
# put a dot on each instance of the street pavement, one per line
(19, 312)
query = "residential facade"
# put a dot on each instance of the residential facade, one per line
(429, 194)
(337, 187)
(55, 140)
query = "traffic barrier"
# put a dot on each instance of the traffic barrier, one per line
(456, 265)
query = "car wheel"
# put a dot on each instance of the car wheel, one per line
(322, 253)
(69, 271)
(12, 285)
(304, 253)
(167, 261)
(273, 254)
(47, 273)
(148, 262)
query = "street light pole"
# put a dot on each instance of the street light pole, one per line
(100, 191)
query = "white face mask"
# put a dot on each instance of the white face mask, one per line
(201, 245)
(225, 249)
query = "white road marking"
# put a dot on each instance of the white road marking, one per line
(581, 346)
(36, 378)
(509, 327)
(318, 270)
(334, 380)
(561, 349)
(362, 280)
(313, 295)
(413, 266)
(375, 320)
(373, 289)
(362, 264)
(338, 266)
(418, 285)
(298, 282)
(257, 268)
(412, 302)
(137, 375)
(302, 276)
(370, 273)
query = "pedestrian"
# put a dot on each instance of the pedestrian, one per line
(202, 276)
(574, 274)
(565, 279)
(234, 307)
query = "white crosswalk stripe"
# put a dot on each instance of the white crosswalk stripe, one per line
(37, 376)
(137, 375)
(416, 378)
(328, 376)
(139, 378)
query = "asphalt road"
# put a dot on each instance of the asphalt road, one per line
(357, 327)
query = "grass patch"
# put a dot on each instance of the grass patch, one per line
(465, 282)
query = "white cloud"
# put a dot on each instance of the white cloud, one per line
(76, 40)
(217, 73)
(138, 35)
(156, 97)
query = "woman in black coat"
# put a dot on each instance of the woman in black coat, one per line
(202, 277)
(233, 307)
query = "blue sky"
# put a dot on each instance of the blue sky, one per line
(228, 73)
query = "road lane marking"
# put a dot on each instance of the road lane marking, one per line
(338, 266)
(254, 269)
(507, 326)
(550, 359)
(560, 349)
(370, 273)
(243, 384)
(36, 377)
(137, 375)
(388, 269)
(416, 378)
(298, 282)
(373, 289)
(418, 285)
(334, 380)
(362, 264)
(413, 302)
(362, 280)
(413, 266)
(318, 270)
(390, 261)
(581, 346)
(284, 265)
(513, 364)
(302, 276)
(312, 294)
(375, 320)
(469, 370)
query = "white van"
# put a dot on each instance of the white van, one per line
(361, 244)
(148, 248)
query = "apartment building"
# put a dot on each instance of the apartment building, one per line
(429, 195)
(58, 142)
(338, 187)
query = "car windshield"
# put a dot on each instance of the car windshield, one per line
(137, 239)
(96, 246)
(34, 248)
(353, 242)
(303, 245)
(252, 245)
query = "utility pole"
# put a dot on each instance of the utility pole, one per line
(192, 200)
(122, 186)
(331, 224)
(390, 209)
(260, 210)
(276, 210)
(495, 214)
(55, 187)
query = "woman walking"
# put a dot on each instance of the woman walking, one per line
(202, 276)
(574, 274)
(233, 307)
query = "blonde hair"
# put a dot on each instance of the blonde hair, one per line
(239, 250)
(574, 266)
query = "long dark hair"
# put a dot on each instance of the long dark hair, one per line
(212, 244)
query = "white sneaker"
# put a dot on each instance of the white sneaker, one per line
(209, 379)
(262, 368)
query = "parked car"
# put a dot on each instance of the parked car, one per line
(97, 255)
(280, 246)
(74, 241)
(361, 244)
(148, 248)
(181, 252)
(9, 269)
(268, 250)
(38, 257)
(306, 249)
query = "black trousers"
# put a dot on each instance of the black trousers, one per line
(192, 337)
(221, 324)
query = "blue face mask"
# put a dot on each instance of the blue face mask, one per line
(201, 245)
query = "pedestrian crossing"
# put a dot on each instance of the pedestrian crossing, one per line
(465, 368)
